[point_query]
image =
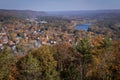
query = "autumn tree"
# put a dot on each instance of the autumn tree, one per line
(47, 63)
(28, 67)
(6, 60)
(67, 64)
(102, 58)
(115, 66)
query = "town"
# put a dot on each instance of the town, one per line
(79, 45)
(22, 35)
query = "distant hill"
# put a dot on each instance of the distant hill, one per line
(21, 13)
(31, 14)
(83, 12)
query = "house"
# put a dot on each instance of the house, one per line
(43, 22)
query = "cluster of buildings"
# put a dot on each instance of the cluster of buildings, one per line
(22, 36)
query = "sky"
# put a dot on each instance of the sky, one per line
(59, 5)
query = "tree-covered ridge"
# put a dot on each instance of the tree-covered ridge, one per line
(95, 59)
(109, 27)
(21, 13)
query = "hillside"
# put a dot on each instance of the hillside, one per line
(83, 12)
(21, 13)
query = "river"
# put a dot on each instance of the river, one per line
(83, 26)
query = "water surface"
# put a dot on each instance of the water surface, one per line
(82, 26)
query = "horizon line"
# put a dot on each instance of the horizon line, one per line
(60, 10)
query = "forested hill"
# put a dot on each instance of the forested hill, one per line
(84, 12)
(21, 13)
(30, 13)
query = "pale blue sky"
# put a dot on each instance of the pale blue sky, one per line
(59, 5)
